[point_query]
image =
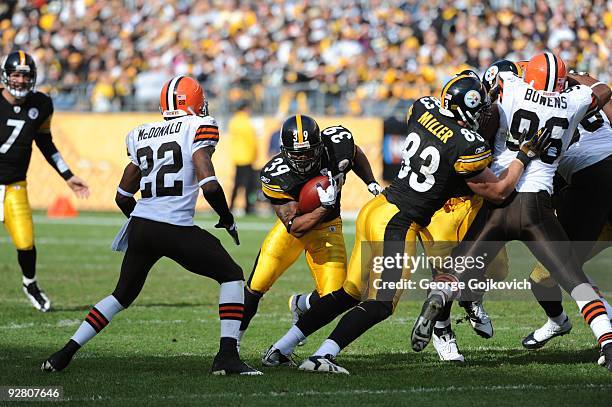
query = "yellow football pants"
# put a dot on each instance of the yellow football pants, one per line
(449, 225)
(362, 282)
(18, 216)
(325, 255)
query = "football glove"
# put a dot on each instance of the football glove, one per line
(232, 229)
(327, 196)
(531, 147)
(375, 188)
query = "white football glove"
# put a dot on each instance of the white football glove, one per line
(375, 188)
(328, 195)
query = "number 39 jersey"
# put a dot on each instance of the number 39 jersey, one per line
(438, 155)
(281, 185)
(163, 152)
(522, 108)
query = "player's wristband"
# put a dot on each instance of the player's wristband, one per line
(66, 175)
(207, 180)
(523, 158)
(290, 223)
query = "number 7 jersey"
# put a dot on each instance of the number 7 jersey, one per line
(438, 155)
(163, 151)
(522, 108)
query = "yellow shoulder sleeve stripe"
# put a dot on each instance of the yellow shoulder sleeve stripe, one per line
(475, 156)
(273, 193)
(472, 165)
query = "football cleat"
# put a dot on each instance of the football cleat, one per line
(446, 346)
(424, 325)
(57, 362)
(37, 297)
(322, 364)
(606, 354)
(478, 317)
(549, 330)
(296, 313)
(273, 358)
(230, 364)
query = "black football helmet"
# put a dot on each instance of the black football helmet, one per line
(503, 65)
(301, 144)
(20, 62)
(465, 97)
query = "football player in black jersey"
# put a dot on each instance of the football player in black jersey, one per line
(306, 152)
(441, 153)
(26, 117)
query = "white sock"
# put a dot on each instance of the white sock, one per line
(328, 347)
(303, 302)
(28, 281)
(601, 297)
(231, 308)
(560, 319)
(443, 324)
(97, 319)
(594, 312)
(290, 340)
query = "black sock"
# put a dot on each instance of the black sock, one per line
(27, 262)
(325, 310)
(228, 345)
(314, 297)
(549, 298)
(251, 302)
(71, 347)
(359, 319)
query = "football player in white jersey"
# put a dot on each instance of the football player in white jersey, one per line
(528, 104)
(580, 188)
(170, 161)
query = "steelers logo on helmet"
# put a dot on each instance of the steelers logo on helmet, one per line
(491, 73)
(301, 144)
(472, 99)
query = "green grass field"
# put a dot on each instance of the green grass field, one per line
(159, 351)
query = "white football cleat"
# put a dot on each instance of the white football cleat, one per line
(296, 313)
(273, 358)
(478, 317)
(446, 346)
(549, 330)
(37, 297)
(322, 364)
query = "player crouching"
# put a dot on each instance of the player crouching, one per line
(170, 160)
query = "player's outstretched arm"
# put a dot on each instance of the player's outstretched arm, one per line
(213, 192)
(601, 91)
(128, 186)
(363, 169)
(297, 225)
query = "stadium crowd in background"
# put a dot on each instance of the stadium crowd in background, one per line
(333, 56)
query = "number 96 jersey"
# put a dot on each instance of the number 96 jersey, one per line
(281, 185)
(438, 155)
(163, 151)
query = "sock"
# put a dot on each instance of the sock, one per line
(601, 297)
(303, 302)
(358, 320)
(251, 303)
(97, 319)
(559, 319)
(328, 347)
(290, 340)
(27, 281)
(27, 262)
(325, 310)
(231, 309)
(594, 312)
(312, 298)
(549, 298)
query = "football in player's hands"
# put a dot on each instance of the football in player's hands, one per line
(309, 197)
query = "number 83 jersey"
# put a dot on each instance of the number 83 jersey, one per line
(523, 108)
(163, 151)
(438, 155)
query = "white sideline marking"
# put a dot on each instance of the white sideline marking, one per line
(411, 390)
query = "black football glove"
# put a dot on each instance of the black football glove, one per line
(531, 147)
(231, 228)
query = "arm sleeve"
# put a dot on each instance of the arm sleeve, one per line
(44, 142)
(474, 159)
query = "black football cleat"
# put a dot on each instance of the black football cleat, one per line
(426, 321)
(37, 297)
(606, 354)
(230, 364)
(62, 358)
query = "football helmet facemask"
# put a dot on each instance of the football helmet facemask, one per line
(182, 96)
(465, 98)
(301, 144)
(18, 74)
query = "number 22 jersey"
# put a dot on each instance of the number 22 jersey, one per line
(438, 155)
(163, 151)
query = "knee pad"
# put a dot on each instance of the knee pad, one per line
(542, 277)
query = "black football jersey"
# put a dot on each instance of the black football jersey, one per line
(438, 155)
(20, 125)
(281, 185)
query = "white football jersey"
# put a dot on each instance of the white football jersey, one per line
(163, 150)
(593, 145)
(524, 108)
